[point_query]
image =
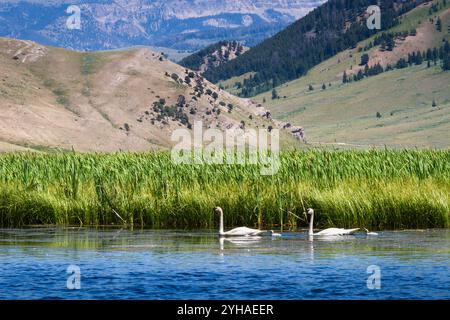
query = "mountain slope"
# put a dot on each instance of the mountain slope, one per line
(394, 108)
(106, 101)
(327, 30)
(176, 24)
(214, 55)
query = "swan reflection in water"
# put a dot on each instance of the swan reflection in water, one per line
(309, 244)
(238, 241)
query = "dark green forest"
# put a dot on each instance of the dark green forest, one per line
(335, 26)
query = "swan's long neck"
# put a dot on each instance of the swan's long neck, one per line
(311, 225)
(221, 224)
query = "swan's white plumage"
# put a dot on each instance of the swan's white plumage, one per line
(368, 233)
(241, 231)
(330, 232)
(276, 234)
(335, 232)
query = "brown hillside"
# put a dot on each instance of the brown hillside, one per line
(51, 97)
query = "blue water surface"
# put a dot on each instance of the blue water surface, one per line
(148, 264)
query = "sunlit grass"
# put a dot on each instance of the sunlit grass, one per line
(375, 189)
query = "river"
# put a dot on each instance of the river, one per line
(149, 264)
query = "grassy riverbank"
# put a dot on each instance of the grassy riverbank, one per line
(376, 189)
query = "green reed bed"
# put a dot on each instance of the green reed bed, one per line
(374, 189)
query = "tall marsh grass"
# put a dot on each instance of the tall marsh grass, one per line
(376, 189)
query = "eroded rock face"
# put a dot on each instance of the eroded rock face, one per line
(29, 52)
(260, 111)
(178, 24)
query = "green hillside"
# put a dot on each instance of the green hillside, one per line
(329, 29)
(400, 108)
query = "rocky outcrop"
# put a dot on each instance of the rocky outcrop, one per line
(260, 111)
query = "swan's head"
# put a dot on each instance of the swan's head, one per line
(310, 211)
(218, 210)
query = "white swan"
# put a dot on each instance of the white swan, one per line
(327, 232)
(370, 233)
(276, 235)
(241, 231)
